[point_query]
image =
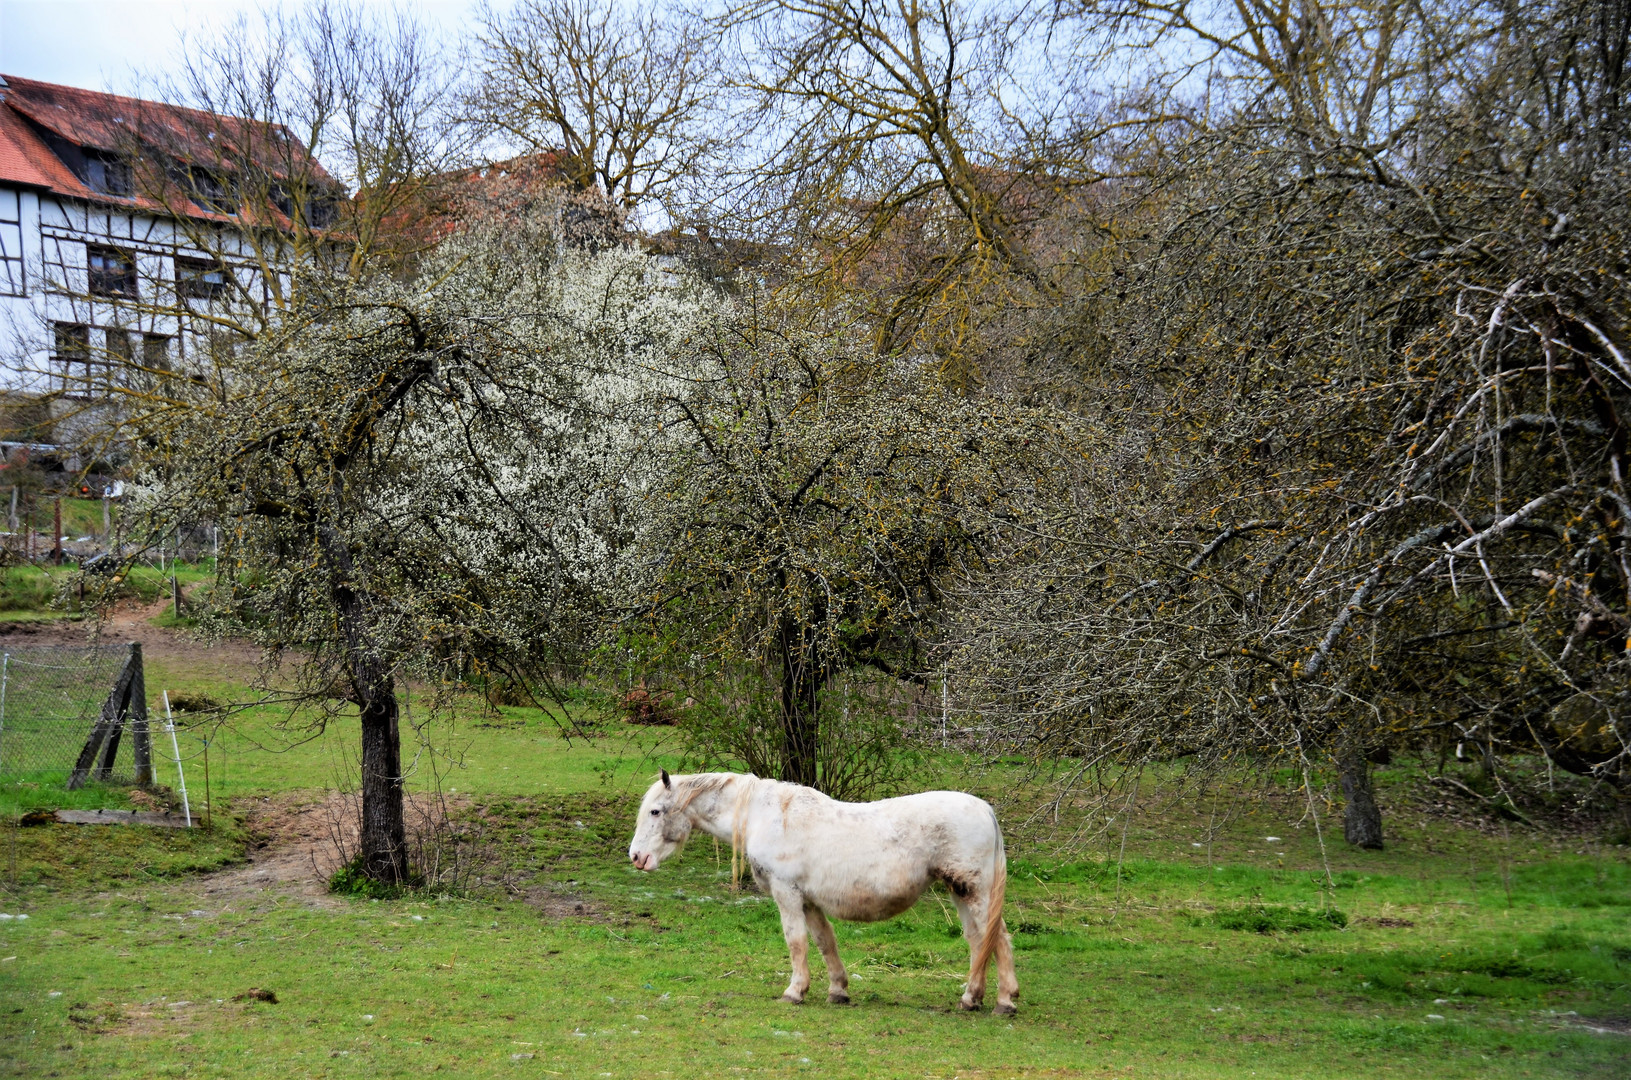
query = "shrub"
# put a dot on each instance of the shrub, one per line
(350, 880)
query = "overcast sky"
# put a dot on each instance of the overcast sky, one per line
(105, 44)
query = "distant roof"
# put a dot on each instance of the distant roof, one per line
(428, 212)
(110, 123)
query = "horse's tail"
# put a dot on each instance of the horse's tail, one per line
(993, 914)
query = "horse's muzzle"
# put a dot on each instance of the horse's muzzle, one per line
(643, 861)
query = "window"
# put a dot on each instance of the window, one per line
(112, 272)
(107, 174)
(282, 199)
(212, 192)
(119, 347)
(316, 211)
(321, 213)
(71, 359)
(156, 352)
(200, 279)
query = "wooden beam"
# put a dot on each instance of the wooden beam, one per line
(143, 743)
(109, 721)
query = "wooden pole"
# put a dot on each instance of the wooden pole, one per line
(56, 530)
(142, 744)
(209, 811)
(175, 596)
(107, 517)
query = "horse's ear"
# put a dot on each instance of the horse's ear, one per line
(666, 784)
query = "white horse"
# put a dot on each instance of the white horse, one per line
(858, 861)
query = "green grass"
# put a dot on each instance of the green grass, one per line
(1466, 952)
(31, 588)
(19, 795)
(36, 591)
(80, 517)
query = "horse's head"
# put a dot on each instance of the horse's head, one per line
(663, 826)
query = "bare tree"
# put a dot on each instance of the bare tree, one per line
(893, 157)
(620, 97)
(1359, 380)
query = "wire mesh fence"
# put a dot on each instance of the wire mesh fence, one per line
(51, 697)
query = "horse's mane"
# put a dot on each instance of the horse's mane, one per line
(703, 783)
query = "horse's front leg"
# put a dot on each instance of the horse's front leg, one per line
(796, 931)
(827, 942)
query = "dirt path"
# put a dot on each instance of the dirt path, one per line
(297, 839)
(132, 620)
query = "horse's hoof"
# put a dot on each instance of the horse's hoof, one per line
(1004, 1010)
(791, 1000)
(837, 999)
(969, 1006)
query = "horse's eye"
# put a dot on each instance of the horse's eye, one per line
(655, 813)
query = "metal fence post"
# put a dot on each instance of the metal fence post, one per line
(175, 749)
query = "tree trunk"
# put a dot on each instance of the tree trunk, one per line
(383, 838)
(800, 704)
(1362, 818)
(384, 847)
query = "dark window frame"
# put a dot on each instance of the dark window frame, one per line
(71, 346)
(212, 192)
(110, 271)
(108, 174)
(196, 279)
(156, 351)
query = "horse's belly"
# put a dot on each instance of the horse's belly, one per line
(871, 898)
(871, 908)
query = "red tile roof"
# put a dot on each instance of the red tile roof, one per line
(109, 122)
(84, 117)
(26, 160)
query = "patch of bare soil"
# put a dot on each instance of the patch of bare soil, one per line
(131, 620)
(560, 905)
(157, 1017)
(297, 846)
(300, 839)
(1597, 1025)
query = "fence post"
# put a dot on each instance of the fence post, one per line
(181, 777)
(138, 719)
(108, 723)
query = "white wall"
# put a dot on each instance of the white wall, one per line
(43, 281)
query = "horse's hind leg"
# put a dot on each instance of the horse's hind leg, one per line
(795, 930)
(973, 910)
(827, 942)
(1007, 980)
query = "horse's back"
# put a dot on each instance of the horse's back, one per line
(867, 861)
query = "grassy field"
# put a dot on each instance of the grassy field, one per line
(1212, 949)
(36, 591)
